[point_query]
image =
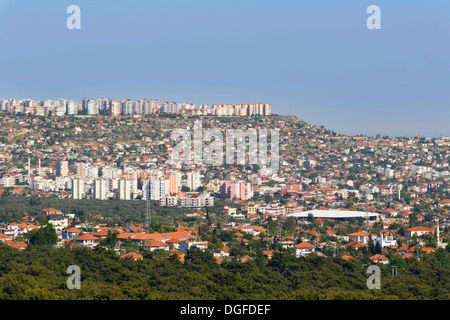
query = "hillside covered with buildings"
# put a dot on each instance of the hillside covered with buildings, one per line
(104, 186)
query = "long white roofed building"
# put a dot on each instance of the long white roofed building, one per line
(335, 214)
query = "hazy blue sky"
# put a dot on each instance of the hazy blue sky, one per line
(316, 57)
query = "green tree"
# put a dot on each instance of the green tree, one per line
(45, 236)
(377, 249)
(111, 239)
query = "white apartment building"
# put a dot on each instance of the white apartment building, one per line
(71, 107)
(197, 201)
(193, 180)
(8, 181)
(101, 188)
(124, 189)
(59, 224)
(156, 187)
(77, 189)
(168, 201)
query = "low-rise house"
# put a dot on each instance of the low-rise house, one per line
(132, 255)
(4, 237)
(237, 216)
(417, 231)
(87, 240)
(20, 245)
(179, 235)
(100, 234)
(174, 244)
(51, 211)
(303, 249)
(26, 227)
(379, 258)
(229, 211)
(268, 254)
(355, 245)
(71, 233)
(360, 236)
(251, 208)
(178, 254)
(286, 244)
(221, 253)
(277, 209)
(245, 258)
(59, 224)
(391, 212)
(147, 237)
(155, 245)
(11, 230)
(126, 235)
(186, 245)
(427, 250)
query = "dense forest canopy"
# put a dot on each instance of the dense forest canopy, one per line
(40, 272)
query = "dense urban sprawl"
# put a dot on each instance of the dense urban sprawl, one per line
(380, 200)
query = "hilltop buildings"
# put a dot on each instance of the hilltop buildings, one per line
(110, 107)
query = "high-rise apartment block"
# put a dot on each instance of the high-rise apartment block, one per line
(236, 189)
(124, 189)
(100, 189)
(77, 188)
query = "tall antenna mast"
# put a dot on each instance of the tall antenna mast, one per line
(149, 205)
(29, 173)
(367, 210)
(417, 249)
(437, 235)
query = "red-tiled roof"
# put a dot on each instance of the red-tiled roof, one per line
(132, 255)
(156, 243)
(304, 245)
(86, 236)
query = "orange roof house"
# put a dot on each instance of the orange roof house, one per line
(178, 235)
(417, 231)
(355, 245)
(132, 255)
(50, 211)
(126, 235)
(70, 233)
(146, 237)
(173, 243)
(360, 236)
(87, 240)
(379, 258)
(4, 237)
(156, 245)
(177, 253)
(427, 250)
(20, 245)
(303, 249)
(101, 234)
